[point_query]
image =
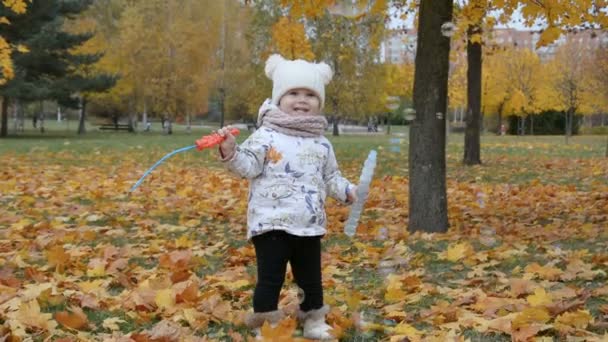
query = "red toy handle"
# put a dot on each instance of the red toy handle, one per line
(213, 139)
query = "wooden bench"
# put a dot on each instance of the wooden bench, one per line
(118, 127)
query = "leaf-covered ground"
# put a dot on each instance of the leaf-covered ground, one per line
(526, 256)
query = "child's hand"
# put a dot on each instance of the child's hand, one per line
(228, 146)
(351, 195)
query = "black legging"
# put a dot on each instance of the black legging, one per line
(273, 250)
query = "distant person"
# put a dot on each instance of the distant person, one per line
(291, 168)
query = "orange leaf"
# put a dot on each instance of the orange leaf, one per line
(282, 332)
(274, 156)
(77, 319)
(545, 272)
(189, 294)
(57, 256)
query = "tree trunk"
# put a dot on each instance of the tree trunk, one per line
(19, 120)
(606, 148)
(336, 129)
(531, 124)
(81, 121)
(472, 145)
(499, 128)
(222, 106)
(144, 118)
(19, 117)
(168, 126)
(189, 123)
(427, 166)
(4, 127)
(42, 116)
(521, 126)
(569, 117)
(132, 122)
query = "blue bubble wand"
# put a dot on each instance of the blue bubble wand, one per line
(202, 143)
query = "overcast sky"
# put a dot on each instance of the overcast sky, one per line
(514, 24)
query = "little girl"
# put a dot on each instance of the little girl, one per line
(292, 168)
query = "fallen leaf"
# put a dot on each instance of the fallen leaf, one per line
(76, 319)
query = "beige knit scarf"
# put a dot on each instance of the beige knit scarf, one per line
(295, 125)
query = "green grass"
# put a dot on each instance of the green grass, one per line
(519, 154)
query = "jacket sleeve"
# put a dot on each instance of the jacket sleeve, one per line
(335, 185)
(248, 158)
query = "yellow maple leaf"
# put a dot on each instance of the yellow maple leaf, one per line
(30, 315)
(23, 223)
(531, 315)
(91, 286)
(165, 299)
(184, 242)
(56, 256)
(408, 331)
(579, 319)
(234, 285)
(539, 298)
(394, 293)
(458, 251)
(548, 36)
(354, 300)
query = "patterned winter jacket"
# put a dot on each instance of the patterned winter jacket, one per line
(290, 178)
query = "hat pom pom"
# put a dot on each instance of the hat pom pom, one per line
(325, 72)
(272, 63)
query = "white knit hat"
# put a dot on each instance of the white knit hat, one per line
(287, 74)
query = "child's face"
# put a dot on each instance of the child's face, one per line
(300, 102)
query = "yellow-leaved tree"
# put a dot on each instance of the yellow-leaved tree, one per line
(457, 85)
(572, 81)
(600, 79)
(495, 88)
(345, 34)
(523, 75)
(6, 49)
(476, 16)
(238, 78)
(290, 40)
(399, 83)
(600, 85)
(166, 65)
(599, 76)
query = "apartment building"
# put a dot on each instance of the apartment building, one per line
(400, 45)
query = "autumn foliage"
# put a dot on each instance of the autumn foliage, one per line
(81, 259)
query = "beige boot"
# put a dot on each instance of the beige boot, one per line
(255, 320)
(314, 326)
